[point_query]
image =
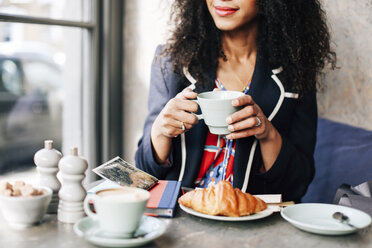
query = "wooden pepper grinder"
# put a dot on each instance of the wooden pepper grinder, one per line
(46, 161)
(72, 168)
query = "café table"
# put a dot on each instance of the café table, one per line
(186, 230)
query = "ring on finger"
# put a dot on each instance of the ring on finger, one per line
(258, 122)
(183, 126)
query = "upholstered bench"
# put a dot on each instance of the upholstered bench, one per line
(343, 154)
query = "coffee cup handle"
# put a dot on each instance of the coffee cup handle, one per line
(200, 117)
(89, 199)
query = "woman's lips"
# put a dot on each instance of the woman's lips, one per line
(224, 11)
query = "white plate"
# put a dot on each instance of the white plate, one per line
(150, 229)
(255, 216)
(317, 218)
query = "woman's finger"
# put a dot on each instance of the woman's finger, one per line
(241, 134)
(245, 124)
(244, 113)
(186, 94)
(243, 101)
(171, 113)
(184, 105)
(176, 126)
(173, 128)
(186, 117)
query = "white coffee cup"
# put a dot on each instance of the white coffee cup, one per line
(118, 211)
(216, 106)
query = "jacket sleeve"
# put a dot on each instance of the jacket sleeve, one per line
(294, 169)
(158, 97)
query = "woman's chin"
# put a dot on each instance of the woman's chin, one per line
(226, 25)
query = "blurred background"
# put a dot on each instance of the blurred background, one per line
(77, 72)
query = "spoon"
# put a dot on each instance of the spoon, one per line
(343, 219)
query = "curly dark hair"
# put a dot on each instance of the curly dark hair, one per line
(291, 33)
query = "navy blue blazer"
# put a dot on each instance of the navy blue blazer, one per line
(295, 119)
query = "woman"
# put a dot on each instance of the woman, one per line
(270, 50)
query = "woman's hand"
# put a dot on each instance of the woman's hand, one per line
(248, 121)
(175, 118)
(245, 123)
(176, 113)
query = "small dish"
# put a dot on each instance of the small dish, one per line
(21, 212)
(317, 218)
(255, 216)
(150, 228)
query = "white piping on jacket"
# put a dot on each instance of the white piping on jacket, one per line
(192, 81)
(291, 95)
(281, 97)
(183, 157)
(271, 116)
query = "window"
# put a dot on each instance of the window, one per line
(73, 10)
(49, 74)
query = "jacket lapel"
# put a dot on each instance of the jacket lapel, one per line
(265, 93)
(264, 90)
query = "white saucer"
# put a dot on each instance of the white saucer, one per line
(150, 229)
(255, 216)
(317, 218)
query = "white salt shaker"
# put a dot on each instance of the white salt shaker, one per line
(72, 168)
(46, 161)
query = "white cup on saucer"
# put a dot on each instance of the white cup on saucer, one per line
(118, 211)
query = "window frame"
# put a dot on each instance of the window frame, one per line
(101, 122)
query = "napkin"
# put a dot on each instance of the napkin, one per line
(359, 197)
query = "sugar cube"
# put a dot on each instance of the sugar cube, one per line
(5, 185)
(18, 185)
(28, 190)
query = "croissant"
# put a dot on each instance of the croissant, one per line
(222, 199)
